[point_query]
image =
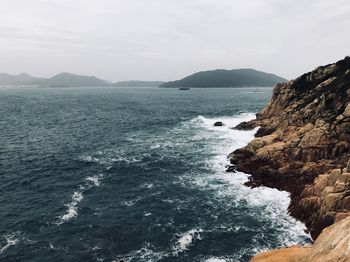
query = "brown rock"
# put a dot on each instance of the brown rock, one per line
(303, 145)
(314, 138)
(331, 246)
(340, 117)
(347, 111)
(339, 187)
(246, 125)
(333, 177)
(290, 254)
(345, 177)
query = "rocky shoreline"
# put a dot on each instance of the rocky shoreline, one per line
(332, 245)
(303, 145)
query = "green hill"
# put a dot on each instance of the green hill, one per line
(227, 78)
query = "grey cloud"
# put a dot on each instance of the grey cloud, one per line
(167, 39)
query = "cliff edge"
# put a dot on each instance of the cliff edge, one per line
(302, 145)
(331, 246)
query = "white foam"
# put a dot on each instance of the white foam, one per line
(107, 157)
(155, 146)
(11, 240)
(274, 202)
(228, 188)
(89, 159)
(96, 180)
(228, 121)
(215, 259)
(72, 210)
(145, 253)
(78, 196)
(131, 202)
(147, 185)
(186, 239)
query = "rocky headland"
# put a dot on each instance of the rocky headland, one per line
(303, 145)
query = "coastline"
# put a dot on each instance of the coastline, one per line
(302, 146)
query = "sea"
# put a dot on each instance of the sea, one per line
(139, 174)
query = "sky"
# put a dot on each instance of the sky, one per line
(168, 39)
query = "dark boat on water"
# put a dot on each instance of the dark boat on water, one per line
(184, 88)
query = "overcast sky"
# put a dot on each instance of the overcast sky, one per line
(169, 39)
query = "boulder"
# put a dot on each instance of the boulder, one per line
(245, 125)
(264, 131)
(218, 123)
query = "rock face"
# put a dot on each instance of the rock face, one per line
(331, 245)
(303, 145)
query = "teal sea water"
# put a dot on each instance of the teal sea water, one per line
(100, 174)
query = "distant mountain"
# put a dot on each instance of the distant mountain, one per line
(72, 80)
(60, 80)
(136, 83)
(20, 79)
(227, 78)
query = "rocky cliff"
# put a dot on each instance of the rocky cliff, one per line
(302, 145)
(331, 246)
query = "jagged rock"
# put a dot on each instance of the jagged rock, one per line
(245, 125)
(303, 145)
(218, 123)
(264, 131)
(231, 168)
(347, 111)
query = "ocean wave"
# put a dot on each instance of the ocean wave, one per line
(269, 206)
(108, 157)
(96, 180)
(228, 121)
(147, 185)
(77, 196)
(186, 239)
(131, 202)
(216, 259)
(72, 207)
(255, 92)
(146, 253)
(11, 240)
